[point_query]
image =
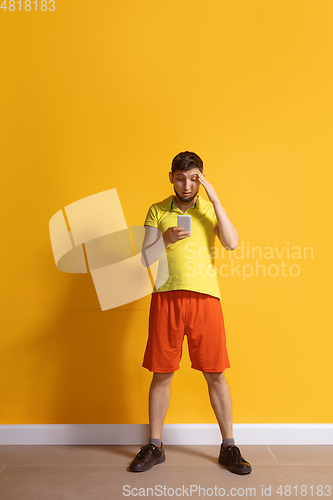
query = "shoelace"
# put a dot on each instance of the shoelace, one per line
(235, 454)
(143, 449)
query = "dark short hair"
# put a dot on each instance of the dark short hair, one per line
(186, 161)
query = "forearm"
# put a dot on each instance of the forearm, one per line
(153, 252)
(227, 231)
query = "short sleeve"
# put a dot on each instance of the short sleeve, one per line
(151, 218)
(214, 219)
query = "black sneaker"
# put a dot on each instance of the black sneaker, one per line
(232, 459)
(147, 457)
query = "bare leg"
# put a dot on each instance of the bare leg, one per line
(220, 400)
(159, 399)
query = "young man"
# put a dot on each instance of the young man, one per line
(187, 302)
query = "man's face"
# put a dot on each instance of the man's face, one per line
(185, 184)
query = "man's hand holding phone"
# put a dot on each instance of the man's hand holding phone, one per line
(174, 234)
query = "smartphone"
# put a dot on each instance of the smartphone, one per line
(185, 222)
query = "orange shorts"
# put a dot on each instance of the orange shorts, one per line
(177, 313)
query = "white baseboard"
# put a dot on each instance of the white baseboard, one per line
(173, 434)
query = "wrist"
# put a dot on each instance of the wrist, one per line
(166, 242)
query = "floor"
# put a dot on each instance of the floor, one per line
(101, 472)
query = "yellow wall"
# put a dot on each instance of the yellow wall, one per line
(100, 95)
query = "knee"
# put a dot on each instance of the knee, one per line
(214, 377)
(162, 378)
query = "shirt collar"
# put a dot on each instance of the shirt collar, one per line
(168, 204)
(193, 206)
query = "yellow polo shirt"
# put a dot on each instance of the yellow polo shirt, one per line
(187, 264)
